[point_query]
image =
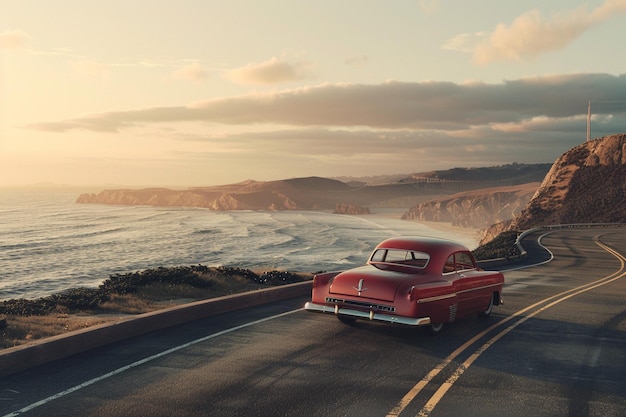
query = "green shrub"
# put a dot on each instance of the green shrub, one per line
(84, 299)
(503, 246)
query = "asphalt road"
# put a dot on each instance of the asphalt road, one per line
(556, 348)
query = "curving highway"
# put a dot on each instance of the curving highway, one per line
(556, 348)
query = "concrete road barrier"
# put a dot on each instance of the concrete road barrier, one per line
(22, 357)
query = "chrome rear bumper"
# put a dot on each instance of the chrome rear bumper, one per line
(367, 315)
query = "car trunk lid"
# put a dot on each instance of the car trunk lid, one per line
(367, 282)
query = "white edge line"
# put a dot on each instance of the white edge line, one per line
(142, 361)
(540, 263)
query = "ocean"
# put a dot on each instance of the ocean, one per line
(48, 243)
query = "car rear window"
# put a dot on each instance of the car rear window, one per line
(400, 257)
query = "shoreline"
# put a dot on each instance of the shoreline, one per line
(57, 273)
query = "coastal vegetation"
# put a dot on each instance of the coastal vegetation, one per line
(503, 246)
(123, 295)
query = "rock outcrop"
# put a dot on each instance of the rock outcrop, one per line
(587, 184)
(345, 208)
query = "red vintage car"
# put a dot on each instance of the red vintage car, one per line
(415, 281)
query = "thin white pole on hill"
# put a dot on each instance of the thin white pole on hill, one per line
(602, 104)
(589, 121)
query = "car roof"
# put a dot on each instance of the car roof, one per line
(438, 249)
(426, 244)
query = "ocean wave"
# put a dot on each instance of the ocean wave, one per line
(48, 243)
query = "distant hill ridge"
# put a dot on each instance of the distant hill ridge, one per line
(503, 175)
(508, 174)
(317, 193)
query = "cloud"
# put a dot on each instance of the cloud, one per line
(531, 34)
(465, 42)
(13, 40)
(193, 72)
(441, 106)
(274, 71)
(311, 151)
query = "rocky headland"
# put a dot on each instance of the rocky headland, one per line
(475, 209)
(587, 184)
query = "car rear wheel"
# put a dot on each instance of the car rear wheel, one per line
(346, 319)
(489, 309)
(435, 328)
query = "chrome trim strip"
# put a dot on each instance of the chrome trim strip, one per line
(451, 295)
(371, 315)
(479, 288)
(436, 298)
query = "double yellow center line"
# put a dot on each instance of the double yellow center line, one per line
(517, 318)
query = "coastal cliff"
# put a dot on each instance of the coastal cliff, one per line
(475, 209)
(586, 184)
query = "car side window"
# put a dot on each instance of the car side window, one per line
(463, 261)
(460, 261)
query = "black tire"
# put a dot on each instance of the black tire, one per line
(435, 328)
(489, 309)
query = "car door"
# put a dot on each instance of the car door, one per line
(468, 282)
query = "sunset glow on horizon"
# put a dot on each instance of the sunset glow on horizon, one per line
(193, 93)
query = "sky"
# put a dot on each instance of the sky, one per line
(196, 93)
